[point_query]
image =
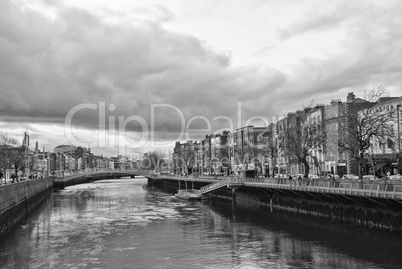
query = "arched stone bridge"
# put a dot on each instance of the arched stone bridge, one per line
(90, 176)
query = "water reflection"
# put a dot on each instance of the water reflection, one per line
(122, 224)
(302, 243)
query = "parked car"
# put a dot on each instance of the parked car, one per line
(332, 176)
(6, 181)
(395, 177)
(370, 177)
(312, 176)
(350, 177)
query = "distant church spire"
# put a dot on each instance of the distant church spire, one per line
(25, 142)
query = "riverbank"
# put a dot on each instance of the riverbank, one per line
(17, 200)
(339, 208)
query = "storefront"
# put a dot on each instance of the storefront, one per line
(383, 164)
(246, 170)
(342, 168)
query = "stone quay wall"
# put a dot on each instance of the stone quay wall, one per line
(333, 208)
(17, 200)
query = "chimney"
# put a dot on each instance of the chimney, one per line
(335, 102)
(350, 97)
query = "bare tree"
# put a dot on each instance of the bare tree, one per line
(177, 162)
(302, 137)
(32, 163)
(271, 145)
(364, 122)
(17, 159)
(223, 156)
(188, 157)
(4, 160)
(6, 153)
(154, 160)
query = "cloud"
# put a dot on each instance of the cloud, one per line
(54, 57)
(312, 21)
(76, 57)
(355, 46)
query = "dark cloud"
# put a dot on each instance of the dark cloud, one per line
(51, 64)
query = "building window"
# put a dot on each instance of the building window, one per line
(390, 143)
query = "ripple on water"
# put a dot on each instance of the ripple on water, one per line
(190, 209)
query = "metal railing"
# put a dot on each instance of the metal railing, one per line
(220, 183)
(377, 189)
(105, 171)
(214, 186)
(388, 190)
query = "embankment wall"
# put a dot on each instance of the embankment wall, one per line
(17, 200)
(333, 208)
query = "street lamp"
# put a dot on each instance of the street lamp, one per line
(399, 137)
(399, 134)
(229, 150)
(262, 145)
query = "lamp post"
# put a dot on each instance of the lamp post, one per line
(399, 135)
(230, 148)
(262, 144)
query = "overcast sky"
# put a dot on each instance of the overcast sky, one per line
(203, 59)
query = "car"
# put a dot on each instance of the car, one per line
(6, 181)
(332, 176)
(370, 177)
(395, 177)
(350, 177)
(312, 176)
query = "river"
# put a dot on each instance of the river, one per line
(121, 223)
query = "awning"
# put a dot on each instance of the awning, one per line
(379, 165)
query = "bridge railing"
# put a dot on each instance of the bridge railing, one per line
(214, 186)
(220, 183)
(105, 171)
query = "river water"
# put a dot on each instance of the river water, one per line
(122, 224)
